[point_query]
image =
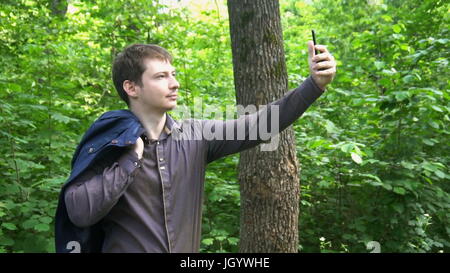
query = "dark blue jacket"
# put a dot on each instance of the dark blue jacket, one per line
(108, 137)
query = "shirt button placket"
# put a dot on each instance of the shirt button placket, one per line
(165, 188)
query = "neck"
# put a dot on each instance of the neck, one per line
(153, 122)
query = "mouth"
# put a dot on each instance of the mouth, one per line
(173, 97)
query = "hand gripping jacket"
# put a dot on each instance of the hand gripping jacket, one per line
(108, 137)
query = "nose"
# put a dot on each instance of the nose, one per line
(174, 84)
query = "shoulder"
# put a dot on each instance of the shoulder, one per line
(117, 114)
(105, 129)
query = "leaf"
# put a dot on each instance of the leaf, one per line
(46, 220)
(387, 18)
(397, 28)
(389, 72)
(439, 174)
(356, 158)
(437, 108)
(385, 82)
(404, 47)
(30, 223)
(433, 124)
(428, 142)
(27, 165)
(14, 87)
(408, 78)
(233, 240)
(372, 176)
(442, 41)
(5, 241)
(348, 236)
(62, 118)
(429, 166)
(330, 127)
(42, 227)
(9, 226)
(399, 190)
(346, 148)
(208, 241)
(401, 95)
(316, 143)
(379, 65)
(324, 184)
(398, 207)
(407, 165)
(375, 183)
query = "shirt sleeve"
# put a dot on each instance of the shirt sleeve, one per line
(92, 195)
(233, 136)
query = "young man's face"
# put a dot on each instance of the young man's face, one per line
(159, 87)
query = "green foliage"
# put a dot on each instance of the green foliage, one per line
(221, 207)
(374, 149)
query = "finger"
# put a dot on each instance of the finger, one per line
(327, 72)
(322, 57)
(322, 48)
(310, 49)
(323, 65)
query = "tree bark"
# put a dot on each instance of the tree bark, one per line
(269, 180)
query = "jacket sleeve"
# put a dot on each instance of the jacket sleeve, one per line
(92, 195)
(233, 136)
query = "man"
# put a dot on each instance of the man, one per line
(137, 176)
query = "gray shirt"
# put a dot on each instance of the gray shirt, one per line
(155, 204)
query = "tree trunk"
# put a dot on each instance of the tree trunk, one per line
(269, 180)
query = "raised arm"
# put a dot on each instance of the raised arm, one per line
(232, 136)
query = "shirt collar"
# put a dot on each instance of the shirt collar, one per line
(170, 125)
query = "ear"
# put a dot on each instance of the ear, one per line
(131, 88)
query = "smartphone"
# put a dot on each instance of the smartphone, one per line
(314, 41)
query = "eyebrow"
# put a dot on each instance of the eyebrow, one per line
(165, 71)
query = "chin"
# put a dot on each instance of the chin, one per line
(171, 106)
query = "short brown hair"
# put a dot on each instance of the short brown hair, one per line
(129, 65)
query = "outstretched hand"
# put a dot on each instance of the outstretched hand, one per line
(322, 67)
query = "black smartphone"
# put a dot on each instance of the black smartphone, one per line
(314, 41)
